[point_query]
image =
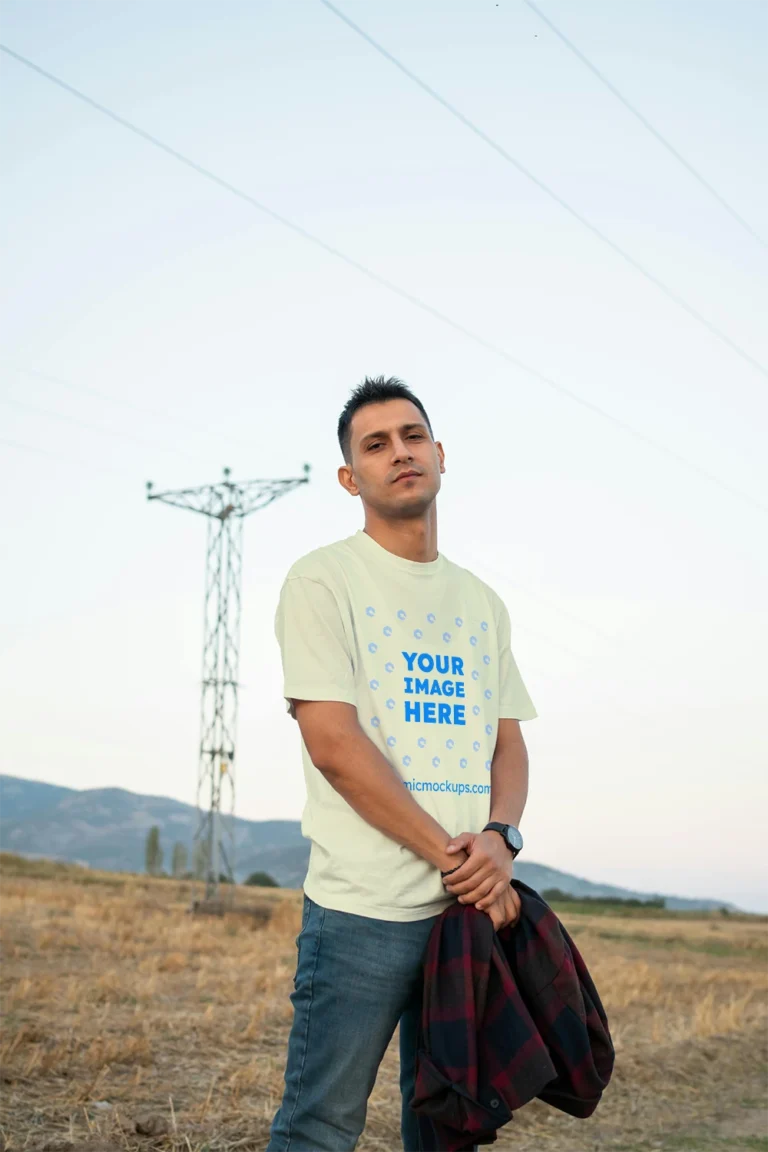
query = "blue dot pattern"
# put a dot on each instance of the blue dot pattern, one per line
(391, 667)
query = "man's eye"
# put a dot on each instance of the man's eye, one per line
(370, 446)
(415, 435)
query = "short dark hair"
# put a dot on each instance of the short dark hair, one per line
(373, 390)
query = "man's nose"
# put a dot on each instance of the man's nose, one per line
(401, 450)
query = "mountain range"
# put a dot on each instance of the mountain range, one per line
(106, 828)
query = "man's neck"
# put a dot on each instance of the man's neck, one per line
(409, 539)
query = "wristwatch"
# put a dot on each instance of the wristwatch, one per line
(512, 837)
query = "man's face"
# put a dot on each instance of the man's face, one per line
(395, 464)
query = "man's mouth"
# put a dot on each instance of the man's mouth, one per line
(406, 475)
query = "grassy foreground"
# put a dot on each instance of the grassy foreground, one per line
(120, 1011)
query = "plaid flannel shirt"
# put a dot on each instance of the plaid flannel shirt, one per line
(506, 1017)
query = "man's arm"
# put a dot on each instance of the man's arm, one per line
(486, 875)
(509, 774)
(362, 775)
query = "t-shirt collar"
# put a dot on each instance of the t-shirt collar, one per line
(378, 555)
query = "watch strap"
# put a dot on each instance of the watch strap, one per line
(497, 826)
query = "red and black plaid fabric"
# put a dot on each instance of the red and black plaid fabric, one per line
(507, 1017)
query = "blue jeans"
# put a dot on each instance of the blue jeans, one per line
(356, 977)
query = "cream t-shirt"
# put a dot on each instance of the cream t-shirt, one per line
(423, 653)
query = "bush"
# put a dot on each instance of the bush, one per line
(555, 895)
(262, 880)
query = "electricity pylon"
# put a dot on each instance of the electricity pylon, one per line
(226, 505)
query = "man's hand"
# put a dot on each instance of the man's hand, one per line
(485, 876)
(505, 910)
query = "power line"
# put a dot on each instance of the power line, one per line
(592, 665)
(143, 409)
(51, 414)
(454, 111)
(382, 281)
(29, 448)
(496, 575)
(78, 461)
(645, 122)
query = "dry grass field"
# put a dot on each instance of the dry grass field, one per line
(121, 1010)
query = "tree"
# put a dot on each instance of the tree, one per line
(179, 860)
(262, 880)
(153, 852)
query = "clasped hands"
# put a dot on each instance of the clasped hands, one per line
(484, 877)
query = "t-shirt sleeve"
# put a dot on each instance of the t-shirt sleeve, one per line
(317, 664)
(514, 701)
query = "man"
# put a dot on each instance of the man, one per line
(398, 668)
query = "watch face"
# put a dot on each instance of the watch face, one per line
(514, 838)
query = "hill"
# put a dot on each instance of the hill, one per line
(106, 828)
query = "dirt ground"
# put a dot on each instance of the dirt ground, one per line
(120, 1010)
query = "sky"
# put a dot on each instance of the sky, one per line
(156, 327)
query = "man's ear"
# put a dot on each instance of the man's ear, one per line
(440, 455)
(347, 480)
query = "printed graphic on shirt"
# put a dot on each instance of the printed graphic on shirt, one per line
(430, 711)
(432, 690)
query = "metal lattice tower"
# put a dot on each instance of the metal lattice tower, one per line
(225, 505)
